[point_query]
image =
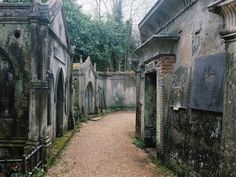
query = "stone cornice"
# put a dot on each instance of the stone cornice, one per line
(227, 9)
(157, 45)
(162, 14)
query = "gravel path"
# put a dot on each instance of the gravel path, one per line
(104, 149)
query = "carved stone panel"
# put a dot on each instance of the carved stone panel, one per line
(208, 82)
(180, 87)
(150, 67)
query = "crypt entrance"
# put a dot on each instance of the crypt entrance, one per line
(7, 88)
(150, 109)
(89, 96)
(60, 105)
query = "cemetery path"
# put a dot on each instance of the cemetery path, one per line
(104, 149)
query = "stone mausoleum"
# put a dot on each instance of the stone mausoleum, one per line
(85, 87)
(35, 76)
(94, 91)
(186, 85)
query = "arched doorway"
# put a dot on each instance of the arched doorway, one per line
(89, 97)
(7, 87)
(60, 105)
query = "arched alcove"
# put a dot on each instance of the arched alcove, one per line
(60, 104)
(7, 87)
(89, 97)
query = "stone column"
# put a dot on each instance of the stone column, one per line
(38, 89)
(43, 103)
(227, 9)
(37, 101)
(33, 133)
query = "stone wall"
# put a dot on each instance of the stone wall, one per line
(194, 136)
(14, 50)
(35, 77)
(119, 89)
(190, 136)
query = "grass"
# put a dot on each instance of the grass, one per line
(59, 145)
(160, 169)
(163, 170)
(138, 142)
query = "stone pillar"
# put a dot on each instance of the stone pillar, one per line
(226, 9)
(43, 103)
(159, 116)
(33, 133)
(38, 100)
(38, 89)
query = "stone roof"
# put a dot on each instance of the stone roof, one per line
(162, 14)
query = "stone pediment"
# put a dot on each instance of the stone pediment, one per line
(89, 66)
(85, 67)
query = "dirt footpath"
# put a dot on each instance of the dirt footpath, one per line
(104, 149)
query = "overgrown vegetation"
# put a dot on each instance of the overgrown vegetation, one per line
(163, 170)
(107, 40)
(38, 172)
(139, 143)
(160, 168)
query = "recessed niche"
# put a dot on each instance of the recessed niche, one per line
(17, 34)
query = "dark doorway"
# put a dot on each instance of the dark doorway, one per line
(60, 105)
(150, 109)
(89, 96)
(7, 88)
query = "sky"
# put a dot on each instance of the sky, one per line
(139, 8)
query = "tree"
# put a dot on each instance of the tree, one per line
(102, 39)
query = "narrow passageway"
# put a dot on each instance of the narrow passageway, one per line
(104, 149)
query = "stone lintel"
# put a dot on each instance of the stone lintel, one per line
(13, 142)
(39, 84)
(227, 9)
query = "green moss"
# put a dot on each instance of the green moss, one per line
(139, 143)
(59, 145)
(163, 170)
(181, 170)
(119, 107)
(21, 102)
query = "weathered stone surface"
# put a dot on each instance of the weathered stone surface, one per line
(28, 38)
(119, 88)
(208, 83)
(94, 91)
(191, 138)
(180, 88)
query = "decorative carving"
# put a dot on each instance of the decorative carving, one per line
(227, 10)
(150, 66)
